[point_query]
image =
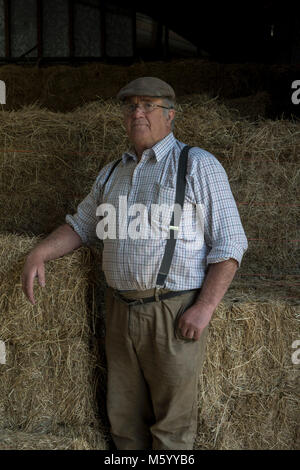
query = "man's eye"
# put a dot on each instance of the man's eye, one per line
(148, 106)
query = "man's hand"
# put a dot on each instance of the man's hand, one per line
(193, 321)
(34, 267)
(217, 280)
(60, 242)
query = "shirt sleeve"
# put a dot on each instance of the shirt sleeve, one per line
(223, 231)
(84, 221)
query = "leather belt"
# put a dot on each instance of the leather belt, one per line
(146, 300)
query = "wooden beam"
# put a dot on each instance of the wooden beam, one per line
(7, 23)
(166, 43)
(159, 40)
(39, 23)
(71, 28)
(133, 19)
(103, 28)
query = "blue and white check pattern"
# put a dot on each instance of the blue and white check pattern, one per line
(134, 263)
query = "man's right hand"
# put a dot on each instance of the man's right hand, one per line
(60, 242)
(34, 267)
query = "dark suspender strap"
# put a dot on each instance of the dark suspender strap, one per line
(111, 170)
(179, 199)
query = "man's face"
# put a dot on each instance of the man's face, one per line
(146, 129)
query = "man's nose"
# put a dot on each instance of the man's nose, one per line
(138, 111)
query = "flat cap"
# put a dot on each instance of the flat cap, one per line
(147, 86)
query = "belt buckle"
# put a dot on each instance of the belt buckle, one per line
(157, 293)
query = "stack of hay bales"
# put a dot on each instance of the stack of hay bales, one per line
(51, 370)
(60, 87)
(248, 386)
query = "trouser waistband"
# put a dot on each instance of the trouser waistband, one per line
(146, 296)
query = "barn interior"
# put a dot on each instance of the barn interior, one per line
(235, 68)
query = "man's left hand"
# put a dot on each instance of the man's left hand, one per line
(193, 321)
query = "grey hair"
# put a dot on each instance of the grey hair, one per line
(170, 104)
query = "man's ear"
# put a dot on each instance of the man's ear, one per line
(172, 113)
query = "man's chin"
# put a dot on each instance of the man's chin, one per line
(139, 132)
(139, 127)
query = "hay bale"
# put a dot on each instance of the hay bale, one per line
(24, 85)
(251, 107)
(49, 161)
(249, 387)
(60, 87)
(47, 383)
(70, 439)
(63, 88)
(53, 367)
(19, 440)
(60, 311)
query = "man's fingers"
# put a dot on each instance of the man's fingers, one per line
(188, 330)
(191, 334)
(28, 286)
(197, 335)
(28, 290)
(192, 323)
(28, 282)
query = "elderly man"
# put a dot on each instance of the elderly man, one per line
(162, 290)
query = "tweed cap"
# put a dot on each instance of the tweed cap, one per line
(147, 86)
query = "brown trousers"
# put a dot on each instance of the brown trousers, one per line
(152, 373)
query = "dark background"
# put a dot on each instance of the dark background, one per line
(232, 31)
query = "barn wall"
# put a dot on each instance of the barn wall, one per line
(23, 27)
(2, 29)
(97, 30)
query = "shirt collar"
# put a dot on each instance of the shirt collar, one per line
(159, 150)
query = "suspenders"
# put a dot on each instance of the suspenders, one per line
(179, 199)
(111, 170)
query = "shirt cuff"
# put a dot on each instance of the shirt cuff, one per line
(219, 260)
(69, 219)
(225, 252)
